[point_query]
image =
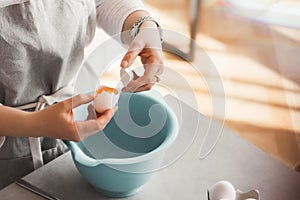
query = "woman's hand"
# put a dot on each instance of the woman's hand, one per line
(147, 45)
(57, 121)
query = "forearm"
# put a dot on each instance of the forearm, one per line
(15, 122)
(55, 121)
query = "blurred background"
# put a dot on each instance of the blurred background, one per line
(255, 46)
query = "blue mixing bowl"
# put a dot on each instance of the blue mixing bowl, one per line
(124, 156)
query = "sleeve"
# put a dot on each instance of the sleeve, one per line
(91, 21)
(2, 138)
(111, 15)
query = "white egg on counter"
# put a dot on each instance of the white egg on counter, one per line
(105, 98)
(222, 190)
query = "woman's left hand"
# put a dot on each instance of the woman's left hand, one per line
(146, 45)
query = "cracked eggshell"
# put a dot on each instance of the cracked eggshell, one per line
(106, 99)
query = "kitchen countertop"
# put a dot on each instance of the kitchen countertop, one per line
(186, 174)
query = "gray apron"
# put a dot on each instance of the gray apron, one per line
(41, 48)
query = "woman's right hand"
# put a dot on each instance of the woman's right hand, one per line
(57, 121)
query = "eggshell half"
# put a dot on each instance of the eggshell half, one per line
(126, 76)
(105, 100)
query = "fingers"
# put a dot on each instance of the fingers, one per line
(147, 81)
(142, 83)
(106, 117)
(148, 48)
(91, 112)
(85, 129)
(133, 51)
(94, 125)
(81, 99)
(143, 88)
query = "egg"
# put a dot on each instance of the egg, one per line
(222, 190)
(105, 98)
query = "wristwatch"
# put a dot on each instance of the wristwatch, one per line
(136, 26)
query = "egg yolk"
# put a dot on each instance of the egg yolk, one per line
(106, 89)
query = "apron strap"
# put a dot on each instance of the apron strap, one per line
(35, 143)
(36, 152)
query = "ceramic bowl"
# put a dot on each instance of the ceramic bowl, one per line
(119, 160)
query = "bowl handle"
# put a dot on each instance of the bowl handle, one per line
(79, 156)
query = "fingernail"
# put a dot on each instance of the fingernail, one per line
(124, 63)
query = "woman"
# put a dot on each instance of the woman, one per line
(41, 48)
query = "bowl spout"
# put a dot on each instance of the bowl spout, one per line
(81, 157)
